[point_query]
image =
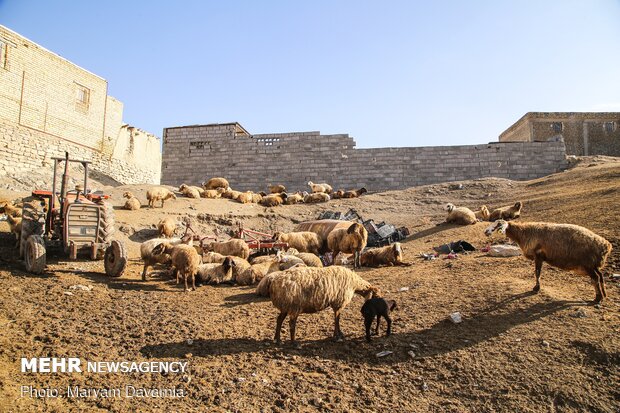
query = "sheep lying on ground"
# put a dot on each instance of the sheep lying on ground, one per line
(302, 241)
(159, 193)
(350, 241)
(377, 307)
(460, 215)
(276, 189)
(389, 255)
(565, 246)
(216, 273)
(483, 214)
(13, 210)
(231, 194)
(316, 197)
(274, 199)
(258, 271)
(310, 259)
(213, 193)
(296, 198)
(166, 227)
(150, 259)
(234, 246)
(132, 202)
(507, 213)
(309, 290)
(212, 257)
(245, 197)
(184, 258)
(15, 223)
(318, 188)
(354, 194)
(338, 194)
(191, 191)
(215, 183)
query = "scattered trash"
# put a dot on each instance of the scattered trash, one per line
(518, 340)
(68, 293)
(615, 277)
(451, 256)
(455, 246)
(240, 379)
(545, 343)
(486, 248)
(424, 386)
(411, 354)
(190, 341)
(456, 186)
(401, 289)
(81, 287)
(428, 257)
(580, 313)
(504, 251)
(384, 353)
(456, 318)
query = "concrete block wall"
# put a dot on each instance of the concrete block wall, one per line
(193, 154)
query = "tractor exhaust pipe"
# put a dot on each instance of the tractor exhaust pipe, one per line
(63, 184)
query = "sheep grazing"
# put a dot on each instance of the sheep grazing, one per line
(316, 197)
(294, 199)
(389, 255)
(318, 188)
(184, 258)
(483, 214)
(309, 290)
(276, 189)
(15, 224)
(159, 193)
(350, 241)
(215, 183)
(191, 191)
(377, 307)
(274, 199)
(302, 241)
(13, 210)
(507, 213)
(234, 246)
(167, 227)
(460, 215)
(216, 273)
(132, 202)
(150, 259)
(354, 194)
(565, 246)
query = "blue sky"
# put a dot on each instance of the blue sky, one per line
(390, 73)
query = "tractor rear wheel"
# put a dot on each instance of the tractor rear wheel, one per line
(35, 254)
(30, 224)
(106, 222)
(115, 260)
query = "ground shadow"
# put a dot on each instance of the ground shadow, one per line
(249, 296)
(117, 283)
(144, 234)
(432, 231)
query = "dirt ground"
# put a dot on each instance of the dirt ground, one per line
(514, 351)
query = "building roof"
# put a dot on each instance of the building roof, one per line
(238, 128)
(555, 116)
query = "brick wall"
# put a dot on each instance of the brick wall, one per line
(192, 154)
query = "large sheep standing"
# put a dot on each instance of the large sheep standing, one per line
(302, 290)
(304, 241)
(235, 246)
(565, 246)
(150, 259)
(184, 258)
(215, 183)
(460, 215)
(159, 193)
(350, 241)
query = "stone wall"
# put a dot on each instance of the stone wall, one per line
(192, 154)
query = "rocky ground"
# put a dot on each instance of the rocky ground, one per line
(514, 351)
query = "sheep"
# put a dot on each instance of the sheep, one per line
(132, 202)
(184, 258)
(191, 191)
(15, 224)
(338, 194)
(258, 271)
(311, 260)
(245, 197)
(276, 189)
(316, 197)
(166, 227)
(213, 193)
(294, 199)
(389, 255)
(310, 290)
(159, 193)
(318, 188)
(256, 198)
(13, 210)
(150, 259)
(234, 246)
(354, 194)
(216, 272)
(507, 213)
(565, 246)
(213, 257)
(377, 307)
(350, 241)
(483, 214)
(215, 183)
(274, 199)
(460, 215)
(305, 241)
(231, 194)
(240, 266)
(288, 260)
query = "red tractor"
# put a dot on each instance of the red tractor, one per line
(73, 221)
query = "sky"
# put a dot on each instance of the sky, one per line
(388, 73)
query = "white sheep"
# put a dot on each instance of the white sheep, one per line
(159, 193)
(565, 246)
(216, 273)
(460, 215)
(352, 240)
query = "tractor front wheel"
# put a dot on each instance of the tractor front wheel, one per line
(34, 254)
(115, 259)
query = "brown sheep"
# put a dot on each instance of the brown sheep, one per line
(15, 223)
(215, 183)
(13, 210)
(132, 202)
(565, 246)
(507, 213)
(305, 241)
(276, 189)
(231, 194)
(159, 193)
(245, 197)
(258, 271)
(350, 241)
(150, 259)
(234, 246)
(311, 260)
(338, 194)
(212, 193)
(309, 290)
(294, 199)
(167, 227)
(184, 258)
(274, 199)
(354, 194)
(389, 255)
(460, 215)
(483, 214)
(316, 197)
(191, 191)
